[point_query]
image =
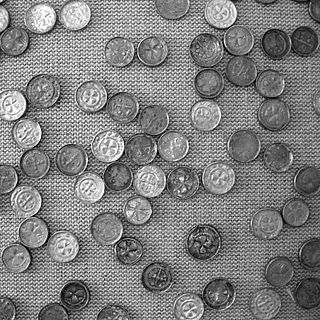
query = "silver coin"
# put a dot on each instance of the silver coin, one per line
(172, 9)
(270, 83)
(34, 163)
(8, 179)
(16, 258)
(119, 52)
(307, 181)
(279, 271)
(238, 40)
(316, 102)
(278, 157)
(7, 307)
(221, 14)
(188, 306)
(13, 105)
(137, 210)
(295, 212)
(4, 18)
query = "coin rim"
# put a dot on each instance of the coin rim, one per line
(280, 76)
(24, 101)
(130, 173)
(295, 182)
(132, 50)
(22, 167)
(311, 12)
(310, 278)
(124, 210)
(171, 18)
(51, 305)
(113, 305)
(16, 178)
(304, 244)
(314, 102)
(28, 255)
(9, 19)
(288, 166)
(268, 265)
(287, 203)
(213, 95)
(116, 254)
(301, 54)
(11, 303)
(9, 53)
(195, 296)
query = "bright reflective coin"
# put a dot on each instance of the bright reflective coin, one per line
(316, 102)
(14, 41)
(238, 40)
(307, 181)
(7, 309)
(305, 41)
(309, 255)
(279, 271)
(74, 295)
(53, 311)
(220, 14)
(278, 157)
(34, 163)
(270, 83)
(208, 83)
(137, 210)
(241, 71)
(314, 10)
(16, 258)
(307, 293)
(128, 251)
(119, 52)
(4, 18)
(172, 9)
(188, 306)
(276, 44)
(154, 120)
(118, 176)
(113, 312)
(295, 212)
(26, 133)
(13, 105)
(8, 179)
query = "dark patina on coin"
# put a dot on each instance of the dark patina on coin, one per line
(14, 41)
(53, 311)
(172, 9)
(295, 212)
(74, 295)
(128, 250)
(137, 210)
(305, 41)
(279, 271)
(276, 44)
(8, 179)
(16, 258)
(241, 71)
(309, 255)
(118, 176)
(208, 83)
(307, 293)
(154, 120)
(270, 83)
(113, 312)
(119, 52)
(314, 10)
(4, 18)
(7, 309)
(307, 181)
(34, 163)
(278, 157)
(238, 40)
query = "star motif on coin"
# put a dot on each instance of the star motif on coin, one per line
(153, 49)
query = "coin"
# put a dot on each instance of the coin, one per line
(154, 120)
(16, 258)
(307, 181)
(244, 145)
(266, 224)
(91, 96)
(40, 18)
(118, 176)
(309, 255)
(8, 179)
(241, 71)
(137, 210)
(218, 178)
(26, 133)
(206, 50)
(74, 295)
(141, 149)
(14, 41)
(270, 83)
(157, 277)
(265, 304)
(305, 41)
(4, 18)
(188, 306)
(208, 83)
(149, 181)
(295, 212)
(123, 107)
(152, 51)
(13, 105)
(276, 44)
(106, 229)
(89, 187)
(53, 311)
(119, 52)
(33, 232)
(63, 246)
(172, 9)
(71, 160)
(278, 157)
(279, 271)
(128, 251)
(220, 14)
(43, 91)
(113, 312)
(7, 309)
(25, 201)
(75, 15)
(107, 146)
(316, 102)
(238, 40)
(314, 10)
(307, 293)
(34, 163)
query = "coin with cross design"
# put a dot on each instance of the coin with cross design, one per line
(128, 251)
(34, 163)
(14, 41)
(137, 210)
(295, 212)
(279, 271)
(4, 18)
(113, 312)
(309, 255)
(270, 83)
(221, 14)
(307, 293)
(172, 10)
(13, 105)
(305, 41)
(241, 71)
(7, 309)
(74, 295)
(208, 83)
(118, 176)
(8, 179)
(119, 52)
(16, 258)
(188, 306)
(238, 40)
(276, 44)
(53, 311)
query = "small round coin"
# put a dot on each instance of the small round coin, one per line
(316, 102)
(278, 157)
(305, 41)
(128, 251)
(8, 179)
(270, 83)
(118, 176)
(241, 71)
(309, 255)
(34, 163)
(119, 52)
(137, 210)
(307, 181)
(238, 40)
(74, 295)
(26, 133)
(53, 311)
(295, 212)
(14, 41)
(172, 9)
(307, 293)
(16, 258)
(279, 271)
(276, 44)
(154, 120)
(4, 18)
(113, 312)
(208, 83)
(188, 306)
(7, 309)
(13, 105)
(220, 14)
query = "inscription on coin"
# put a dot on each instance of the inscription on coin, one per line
(34, 163)
(113, 312)
(26, 133)
(4, 18)
(137, 210)
(278, 157)
(270, 83)
(16, 258)
(14, 41)
(8, 179)
(154, 120)
(309, 255)
(238, 40)
(241, 71)
(295, 212)
(305, 41)
(279, 271)
(172, 9)
(13, 105)
(128, 251)
(188, 306)
(276, 44)
(7, 309)
(307, 293)
(53, 311)
(118, 176)
(307, 181)
(220, 14)
(208, 83)
(74, 295)
(119, 52)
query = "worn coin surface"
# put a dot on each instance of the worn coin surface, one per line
(119, 52)
(270, 83)
(128, 250)
(276, 44)
(316, 102)
(26, 133)
(34, 163)
(154, 120)
(13, 105)
(188, 306)
(4, 18)
(295, 212)
(279, 271)
(53, 311)
(314, 10)
(172, 9)
(307, 181)
(8, 179)
(113, 312)
(74, 295)
(305, 41)
(208, 83)
(118, 176)
(241, 71)
(14, 41)
(7, 309)
(278, 157)
(16, 258)
(309, 255)
(137, 210)
(220, 14)
(238, 40)
(307, 293)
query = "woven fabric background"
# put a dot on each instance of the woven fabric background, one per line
(75, 57)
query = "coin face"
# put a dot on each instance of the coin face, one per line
(188, 306)
(208, 83)
(118, 176)
(172, 9)
(89, 187)
(13, 105)
(307, 293)
(154, 120)
(107, 146)
(276, 44)
(220, 14)
(205, 115)
(91, 96)
(241, 71)
(123, 107)
(7, 309)
(71, 160)
(238, 40)
(40, 18)
(4, 18)
(106, 229)
(314, 10)
(63, 246)
(8, 179)
(25, 201)
(53, 311)
(279, 271)
(305, 41)
(128, 251)
(74, 295)
(266, 224)
(309, 255)
(33, 232)
(113, 312)
(316, 102)
(206, 50)
(152, 51)
(14, 41)
(75, 15)
(16, 258)
(295, 212)
(34, 163)
(265, 304)
(278, 157)
(270, 83)
(244, 146)
(149, 181)
(307, 181)
(26, 133)
(119, 52)
(137, 210)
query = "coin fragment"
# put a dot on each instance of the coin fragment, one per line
(241, 71)
(279, 271)
(128, 251)
(188, 306)
(118, 176)
(309, 255)
(113, 312)
(172, 9)
(305, 41)
(307, 293)
(137, 210)
(16, 258)
(119, 52)
(238, 40)
(7, 309)
(221, 14)
(13, 105)
(53, 311)
(34, 163)
(8, 179)
(278, 157)
(314, 10)
(316, 102)
(208, 83)
(4, 18)
(74, 295)
(307, 181)
(154, 120)
(276, 44)
(14, 41)
(270, 83)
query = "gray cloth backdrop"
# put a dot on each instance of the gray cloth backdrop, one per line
(75, 57)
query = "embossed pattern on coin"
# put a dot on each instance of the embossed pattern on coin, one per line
(128, 250)
(220, 14)
(208, 83)
(241, 71)
(278, 157)
(279, 271)
(307, 181)
(314, 10)
(8, 179)
(305, 41)
(270, 83)
(309, 255)
(172, 9)
(188, 306)
(119, 52)
(137, 210)
(238, 40)
(74, 295)
(307, 293)
(4, 18)
(154, 120)
(276, 44)
(14, 41)
(295, 212)
(113, 312)
(13, 105)
(34, 163)
(118, 176)
(53, 311)
(7, 309)
(16, 258)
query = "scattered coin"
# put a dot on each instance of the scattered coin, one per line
(16, 258)
(316, 102)
(238, 40)
(241, 71)
(128, 251)
(14, 41)
(118, 176)
(113, 312)
(8, 179)
(119, 52)
(279, 271)
(208, 83)
(137, 210)
(307, 181)
(314, 10)
(270, 83)
(74, 295)
(188, 306)
(276, 44)
(278, 157)
(172, 10)
(26, 133)
(305, 41)
(13, 105)
(34, 163)
(309, 255)
(221, 14)
(307, 293)
(7, 309)
(53, 311)
(295, 212)
(154, 120)
(4, 20)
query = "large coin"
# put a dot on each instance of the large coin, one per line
(14, 41)
(137, 210)
(172, 9)
(221, 14)
(305, 41)
(119, 51)
(26, 133)
(278, 157)
(13, 105)
(276, 44)
(188, 306)
(8, 179)
(16, 258)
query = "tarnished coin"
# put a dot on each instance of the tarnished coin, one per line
(91, 96)
(154, 120)
(314, 10)
(305, 41)
(63, 246)
(33, 232)
(119, 52)
(188, 306)
(74, 295)
(8, 179)
(137, 210)
(241, 71)
(4, 18)
(307, 293)
(40, 18)
(43, 91)
(128, 250)
(71, 160)
(16, 258)
(123, 107)
(265, 304)
(219, 294)
(244, 146)
(238, 40)
(276, 44)
(107, 146)
(7, 309)
(157, 277)
(206, 50)
(220, 14)
(34, 163)
(309, 255)
(172, 9)
(295, 212)
(279, 271)
(316, 102)
(89, 187)
(53, 311)
(208, 83)
(266, 224)
(270, 83)
(152, 51)
(14, 41)
(278, 157)
(205, 115)
(13, 105)
(25, 201)
(75, 14)
(118, 176)
(141, 149)
(307, 181)
(113, 312)
(26, 133)
(106, 229)
(149, 181)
